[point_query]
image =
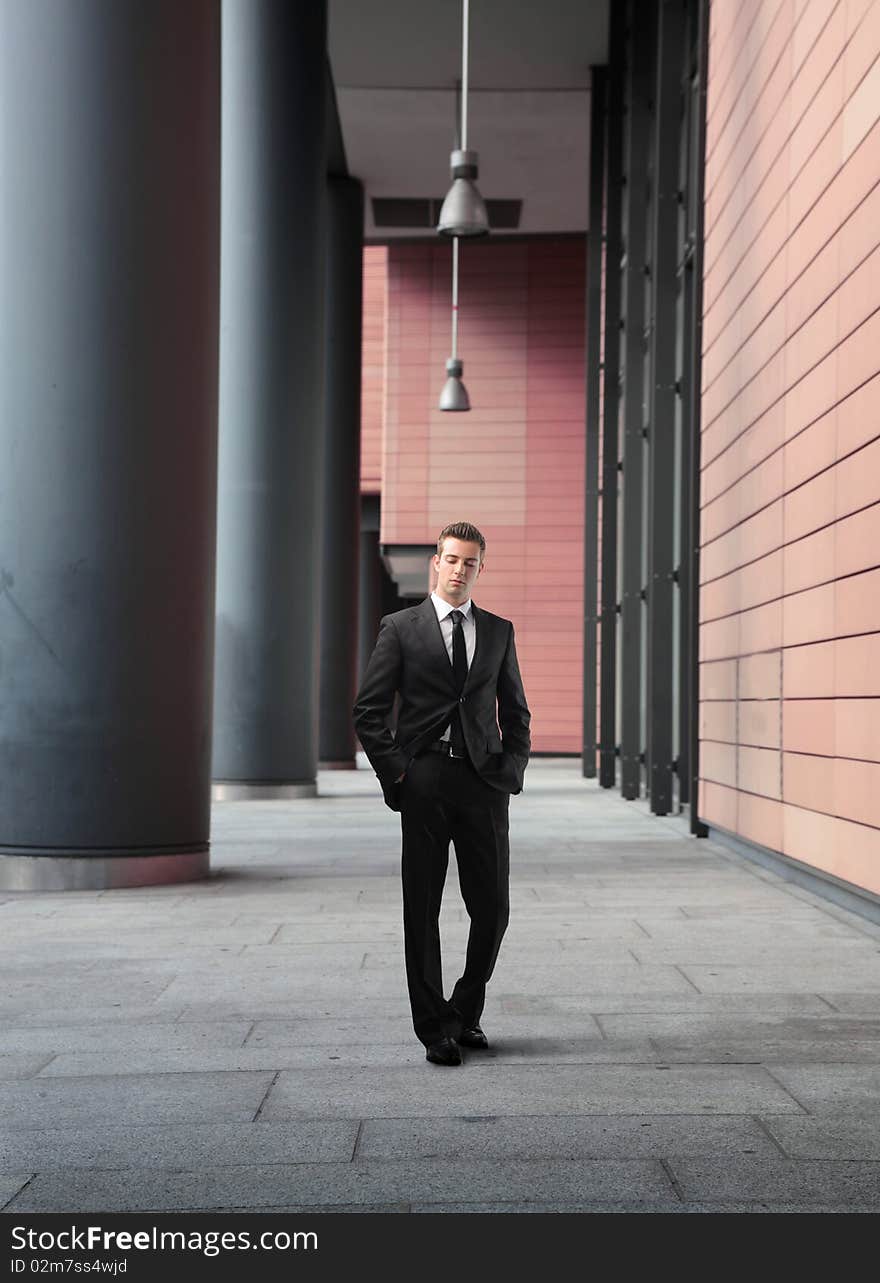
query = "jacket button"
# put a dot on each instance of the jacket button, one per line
(461, 701)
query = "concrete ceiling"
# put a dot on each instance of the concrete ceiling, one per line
(396, 64)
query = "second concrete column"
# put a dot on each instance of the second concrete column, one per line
(271, 398)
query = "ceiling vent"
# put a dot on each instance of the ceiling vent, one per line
(423, 212)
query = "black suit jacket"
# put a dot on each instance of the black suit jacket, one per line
(411, 660)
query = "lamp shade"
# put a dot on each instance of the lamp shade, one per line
(454, 395)
(463, 212)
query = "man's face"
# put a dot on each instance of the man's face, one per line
(458, 567)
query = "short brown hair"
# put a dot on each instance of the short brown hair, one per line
(461, 530)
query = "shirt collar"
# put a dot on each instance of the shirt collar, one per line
(443, 608)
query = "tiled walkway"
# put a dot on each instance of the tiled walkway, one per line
(672, 1028)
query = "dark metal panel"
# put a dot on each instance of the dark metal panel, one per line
(662, 469)
(639, 92)
(695, 338)
(611, 375)
(593, 424)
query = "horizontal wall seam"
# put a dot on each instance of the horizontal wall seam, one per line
(842, 400)
(732, 150)
(777, 648)
(781, 801)
(799, 433)
(841, 339)
(783, 493)
(769, 213)
(792, 543)
(744, 53)
(792, 752)
(781, 298)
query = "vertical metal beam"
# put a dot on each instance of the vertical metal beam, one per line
(593, 424)
(640, 83)
(610, 408)
(691, 638)
(662, 476)
(684, 344)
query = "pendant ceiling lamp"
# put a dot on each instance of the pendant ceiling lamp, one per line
(463, 212)
(454, 395)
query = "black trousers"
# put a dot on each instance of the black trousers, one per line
(442, 800)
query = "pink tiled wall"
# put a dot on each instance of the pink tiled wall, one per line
(375, 317)
(515, 464)
(790, 603)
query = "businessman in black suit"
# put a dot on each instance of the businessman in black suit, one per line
(460, 749)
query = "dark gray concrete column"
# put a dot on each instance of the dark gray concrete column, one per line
(370, 587)
(342, 453)
(109, 263)
(271, 398)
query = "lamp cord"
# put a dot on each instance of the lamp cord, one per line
(455, 298)
(464, 72)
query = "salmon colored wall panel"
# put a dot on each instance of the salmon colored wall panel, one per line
(857, 728)
(811, 451)
(718, 680)
(759, 770)
(718, 805)
(759, 723)
(759, 676)
(790, 527)
(373, 365)
(718, 721)
(856, 666)
(515, 464)
(759, 820)
(808, 726)
(808, 781)
(809, 561)
(718, 762)
(808, 671)
(810, 837)
(855, 478)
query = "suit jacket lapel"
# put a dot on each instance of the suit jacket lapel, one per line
(483, 644)
(425, 617)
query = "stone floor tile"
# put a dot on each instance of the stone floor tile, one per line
(345, 1183)
(157, 1098)
(183, 1145)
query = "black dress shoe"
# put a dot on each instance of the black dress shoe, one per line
(474, 1038)
(443, 1052)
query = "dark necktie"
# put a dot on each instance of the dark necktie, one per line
(459, 672)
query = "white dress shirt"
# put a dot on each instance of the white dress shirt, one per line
(469, 626)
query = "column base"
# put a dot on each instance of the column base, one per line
(233, 791)
(99, 873)
(347, 764)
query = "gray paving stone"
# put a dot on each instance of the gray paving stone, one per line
(831, 1088)
(48, 1016)
(23, 1064)
(330, 1030)
(510, 1050)
(646, 1208)
(159, 1098)
(827, 1137)
(692, 1038)
(184, 1145)
(575, 1136)
(794, 977)
(344, 1183)
(686, 1003)
(109, 1038)
(853, 1003)
(527, 1089)
(10, 1184)
(777, 1180)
